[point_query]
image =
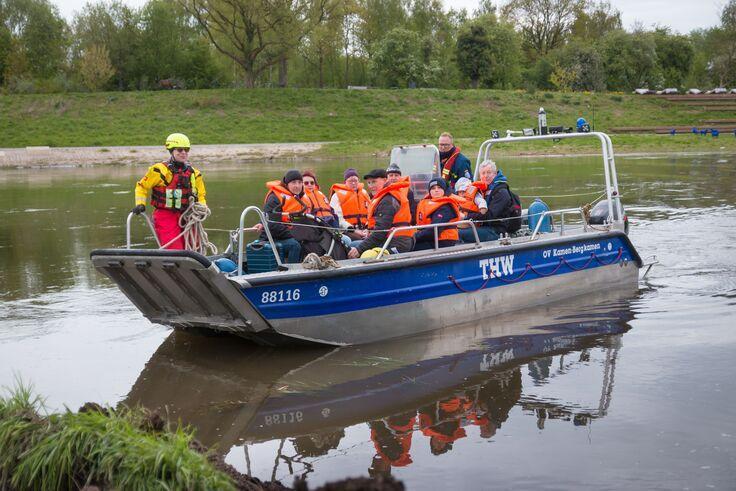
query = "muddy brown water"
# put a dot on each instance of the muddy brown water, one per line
(616, 389)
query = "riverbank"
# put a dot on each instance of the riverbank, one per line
(126, 448)
(365, 122)
(85, 156)
(624, 145)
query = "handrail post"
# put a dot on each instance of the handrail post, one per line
(436, 237)
(388, 241)
(475, 233)
(127, 229)
(539, 224)
(150, 226)
(562, 224)
(585, 222)
(241, 229)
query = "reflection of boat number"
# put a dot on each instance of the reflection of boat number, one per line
(325, 412)
(281, 418)
(323, 291)
(281, 296)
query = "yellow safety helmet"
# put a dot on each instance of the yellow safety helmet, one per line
(373, 253)
(177, 140)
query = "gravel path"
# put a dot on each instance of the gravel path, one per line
(83, 156)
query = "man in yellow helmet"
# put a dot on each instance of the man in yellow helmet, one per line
(174, 184)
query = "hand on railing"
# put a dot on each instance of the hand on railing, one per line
(138, 209)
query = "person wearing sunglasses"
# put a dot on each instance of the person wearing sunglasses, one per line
(319, 205)
(174, 185)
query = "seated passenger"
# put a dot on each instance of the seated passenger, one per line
(320, 208)
(393, 173)
(473, 207)
(316, 200)
(350, 203)
(437, 207)
(498, 200)
(284, 202)
(388, 209)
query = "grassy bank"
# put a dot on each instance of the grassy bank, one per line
(126, 449)
(359, 121)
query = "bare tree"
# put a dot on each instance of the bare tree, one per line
(544, 23)
(256, 34)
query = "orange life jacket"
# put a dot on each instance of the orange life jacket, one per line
(428, 206)
(402, 218)
(431, 429)
(462, 203)
(289, 202)
(318, 204)
(469, 195)
(177, 193)
(354, 204)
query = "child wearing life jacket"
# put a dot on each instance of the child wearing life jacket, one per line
(437, 207)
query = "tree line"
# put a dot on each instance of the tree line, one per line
(568, 45)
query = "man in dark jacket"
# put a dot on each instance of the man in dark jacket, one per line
(384, 212)
(393, 173)
(282, 207)
(497, 196)
(453, 164)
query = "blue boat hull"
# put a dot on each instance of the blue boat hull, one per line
(408, 296)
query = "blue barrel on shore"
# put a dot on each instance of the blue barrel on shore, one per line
(535, 213)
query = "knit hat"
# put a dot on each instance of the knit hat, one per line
(349, 172)
(393, 168)
(292, 175)
(438, 181)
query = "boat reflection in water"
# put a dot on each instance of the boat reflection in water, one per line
(436, 386)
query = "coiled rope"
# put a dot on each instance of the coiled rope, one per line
(193, 232)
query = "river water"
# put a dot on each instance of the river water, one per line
(616, 389)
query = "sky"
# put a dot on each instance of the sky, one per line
(681, 15)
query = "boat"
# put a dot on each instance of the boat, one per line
(390, 296)
(236, 394)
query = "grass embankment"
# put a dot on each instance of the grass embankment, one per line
(110, 449)
(104, 448)
(124, 449)
(359, 121)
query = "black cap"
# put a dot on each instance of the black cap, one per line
(375, 173)
(393, 168)
(292, 175)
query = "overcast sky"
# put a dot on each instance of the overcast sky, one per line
(680, 15)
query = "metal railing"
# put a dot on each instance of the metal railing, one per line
(435, 226)
(242, 229)
(150, 225)
(562, 213)
(609, 163)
